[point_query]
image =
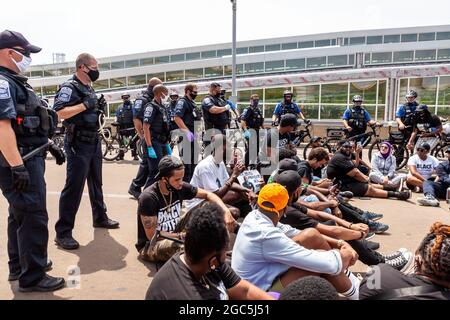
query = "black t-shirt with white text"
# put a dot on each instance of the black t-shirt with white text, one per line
(151, 203)
(283, 139)
(174, 281)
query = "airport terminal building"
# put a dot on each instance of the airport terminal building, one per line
(323, 70)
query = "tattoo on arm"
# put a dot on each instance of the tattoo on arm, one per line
(149, 222)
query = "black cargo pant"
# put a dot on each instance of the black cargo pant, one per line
(27, 223)
(84, 162)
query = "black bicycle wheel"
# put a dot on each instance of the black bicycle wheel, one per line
(401, 154)
(374, 147)
(440, 152)
(110, 148)
(308, 149)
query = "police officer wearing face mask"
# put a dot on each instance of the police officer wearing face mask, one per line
(186, 114)
(77, 103)
(251, 122)
(215, 109)
(124, 118)
(357, 118)
(25, 125)
(141, 102)
(405, 114)
(287, 106)
(157, 131)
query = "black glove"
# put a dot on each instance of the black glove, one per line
(90, 102)
(274, 123)
(307, 121)
(57, 153)
(20, 177)
(102, 104)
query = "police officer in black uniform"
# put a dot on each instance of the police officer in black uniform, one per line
(139, 106)
(186, 114)
(77, 103)
(357, 118)
(171, 109)
(157, 131)
(215, 110)
(124, 118)
(25, 125)
(251, 122)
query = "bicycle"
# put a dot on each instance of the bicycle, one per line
(118, 143)
(399, 144)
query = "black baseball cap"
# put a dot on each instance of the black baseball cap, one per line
(287, 164)
(11, 39)
(167, 165)
(289, 179)
(425, 146)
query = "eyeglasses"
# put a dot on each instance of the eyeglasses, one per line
(24, 52)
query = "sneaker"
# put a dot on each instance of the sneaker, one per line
(377, 227)
(346, 194)
(395, 254)
(404, 195)
(372, 245)
(370, 235)
(428, 201)
(367, 215)
(402, 262)
(134, 193)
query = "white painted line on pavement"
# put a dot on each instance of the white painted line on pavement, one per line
(105, 195)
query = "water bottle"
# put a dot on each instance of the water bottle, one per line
(448, 196)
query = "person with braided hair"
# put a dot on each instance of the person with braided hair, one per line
(431, 277)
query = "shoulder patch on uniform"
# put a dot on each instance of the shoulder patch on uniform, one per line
(4, 90)
(148, 112)
(65, 94)
(208, 101)
(138, 104)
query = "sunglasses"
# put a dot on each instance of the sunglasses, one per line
(23, 52)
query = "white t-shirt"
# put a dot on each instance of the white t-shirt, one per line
(424, 167)
(208, 176)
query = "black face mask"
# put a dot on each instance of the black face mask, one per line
(93, 75)
(218, 95)
(255, 104)
(193, 96)
(169, 186)
(127, 102)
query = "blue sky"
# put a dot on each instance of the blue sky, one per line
(107, 28)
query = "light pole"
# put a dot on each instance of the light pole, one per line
(233, 53)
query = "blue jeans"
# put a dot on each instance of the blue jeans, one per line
(436, 189)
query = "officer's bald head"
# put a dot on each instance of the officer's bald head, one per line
(159, 90)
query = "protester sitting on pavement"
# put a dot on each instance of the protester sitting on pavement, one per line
(357, 157)
(288, 124)
(427, 125)
(343, 169)
(421, 168)
(384, 166)
(160, 213)
(434, 190)
(211, 175)
(310, 288)
(200, 272)
(354, 233)
(317, 158)
(271, 255)
(430, 279)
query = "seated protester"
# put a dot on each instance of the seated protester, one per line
(310, 288)
(426, 125)
(317, 158)
(200, 272)
(288, 124)
(421, 168)
(316, 142)
(283, 165)
(296, 216)
(431, 277)
(384, 165)
(211, 175)
(271, 255)
(356, 156)
(433, 190)
(344, 170)
(159, 211)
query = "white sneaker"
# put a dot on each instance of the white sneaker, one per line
(428, 201)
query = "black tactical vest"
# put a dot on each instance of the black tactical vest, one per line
(88, 119)
(409, 114)
(126, 115)
(34, 122)
(287, 108)
(256, 120)
(219, 121)
(357, 119)
(160, 128)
